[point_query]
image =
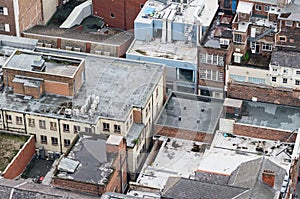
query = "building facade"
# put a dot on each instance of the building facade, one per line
(81, 100)
(19, 15)
(118, 14)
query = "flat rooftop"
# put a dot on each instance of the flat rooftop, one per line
(118, 84)
(88, 161)
(163, 7)
(10, 144)
(91, 28)
(255, 61)
(232, 151)
(55, 65)
(220, 28)
(107, 35)
(196, 113)
(270, 115)
(177, 50)
(174, 158)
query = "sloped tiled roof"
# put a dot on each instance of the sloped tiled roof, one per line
(249, 175)
(177, 187)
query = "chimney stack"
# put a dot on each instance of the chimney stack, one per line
(268, 177)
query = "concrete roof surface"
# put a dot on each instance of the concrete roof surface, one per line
(270, 115)
(199, 114)
(119, 84)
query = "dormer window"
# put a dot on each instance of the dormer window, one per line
(288, 23)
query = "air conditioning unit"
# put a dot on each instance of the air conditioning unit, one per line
(98, 52)
(50, 155)
(68, 47)
(48, 45)
(39, 44)
(77, 49)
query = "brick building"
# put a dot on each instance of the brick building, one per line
(33, 74)
(118, 14)
(214, 54)
(260, 120)
(99, 172)
(19, 15)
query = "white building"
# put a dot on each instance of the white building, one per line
(118, 96)
(284, 69)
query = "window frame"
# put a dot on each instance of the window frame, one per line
(67, 143)
(19, 120)
(44, 124)
(288, 23)
(53, 126)
(54, 139)
(31, 122)
(76, 128)
(117, 128)
(44, 141)
(105, 126)
(66, 128)
(258, 7)
(274, 79)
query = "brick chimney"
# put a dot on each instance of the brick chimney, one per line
(268, 177)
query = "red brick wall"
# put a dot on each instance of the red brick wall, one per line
(78, 186)
(125, 11)
(263, 93)
(137, 117)
(20, 162)
(34, 92)
(8, 19)
(263, 133)
(182, 134)
(114, 184)
(30, 13)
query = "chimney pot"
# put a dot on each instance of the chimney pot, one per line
(268, 177)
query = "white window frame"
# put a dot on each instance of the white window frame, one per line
(267, 8)
(19, 120)
(267, 47)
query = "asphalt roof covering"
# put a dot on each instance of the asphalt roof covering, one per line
(286, 59)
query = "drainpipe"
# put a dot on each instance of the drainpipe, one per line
(25, 127)
(59, 133)
(3, 119)
(16, 14)
(277, 33)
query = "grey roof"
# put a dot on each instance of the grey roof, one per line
(293, 9)
(249, 175)
(117, 38)
(177, 187)
(286, 59)
(270, 115)
(96, 164)
(120, 84)
(134, 133)
(200, 114)
(212, 178)
(18, 42)
(26, 189)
